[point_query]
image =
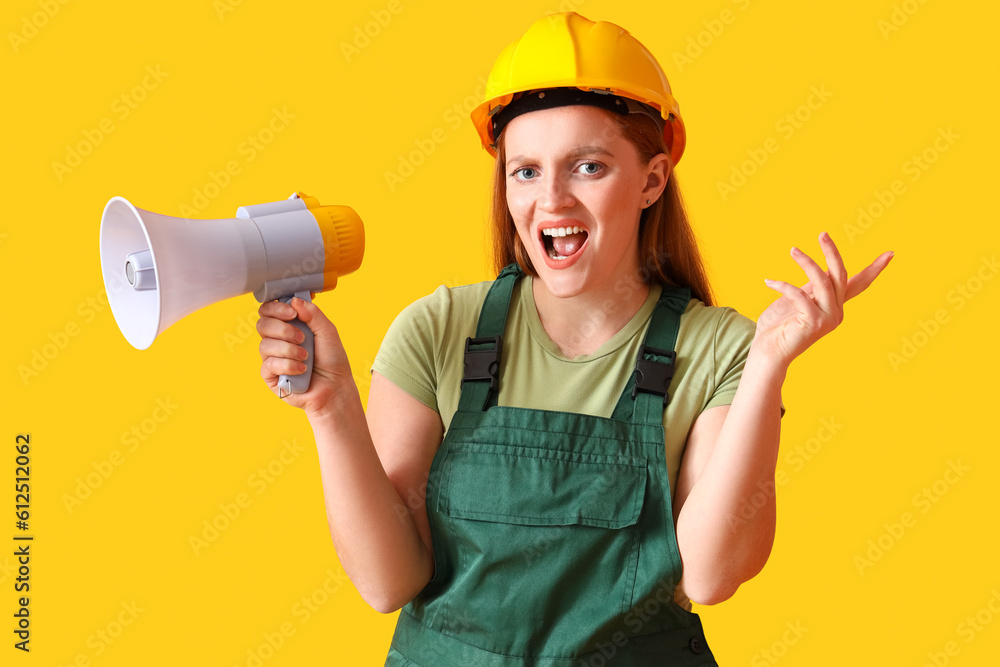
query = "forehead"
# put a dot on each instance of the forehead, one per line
(562, 129)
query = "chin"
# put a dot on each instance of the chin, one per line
(563, 283)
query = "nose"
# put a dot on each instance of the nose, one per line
(556, 195)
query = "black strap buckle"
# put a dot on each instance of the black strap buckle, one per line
(653, 377)
(483, 364)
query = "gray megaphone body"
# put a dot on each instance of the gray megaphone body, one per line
(158, 268)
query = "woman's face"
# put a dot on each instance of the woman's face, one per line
(575, 189)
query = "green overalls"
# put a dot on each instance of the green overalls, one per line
(554, 541)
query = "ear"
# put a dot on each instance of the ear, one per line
(657, 172)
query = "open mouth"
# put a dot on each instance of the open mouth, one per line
(563, 242)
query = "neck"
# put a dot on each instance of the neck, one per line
(580, 324)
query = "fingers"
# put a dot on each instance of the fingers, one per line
(271, 347)
(833, 287)
(273, 366)
(277, 309)
(796, 294)
(835, 266)
(280, 340)
(269, 327)
(280, 357)
(860, 282)
(274, 316)
(822, 286)
(282, 354)
(279, 344)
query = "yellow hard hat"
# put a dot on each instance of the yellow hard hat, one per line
(569, 51)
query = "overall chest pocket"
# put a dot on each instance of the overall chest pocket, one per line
(547, 541)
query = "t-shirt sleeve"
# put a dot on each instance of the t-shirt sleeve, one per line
(409, 356)
(733, 335)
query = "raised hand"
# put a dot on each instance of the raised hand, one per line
(803, 315)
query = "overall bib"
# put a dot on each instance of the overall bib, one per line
(554, 541)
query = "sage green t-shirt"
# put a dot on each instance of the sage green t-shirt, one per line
(423, 354)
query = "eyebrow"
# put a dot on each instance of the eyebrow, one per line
(582, 151)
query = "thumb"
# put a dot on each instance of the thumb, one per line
(330, 361)
(313, 317)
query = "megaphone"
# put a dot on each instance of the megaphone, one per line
(158, 268)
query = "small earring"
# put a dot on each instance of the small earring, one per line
(648, 202)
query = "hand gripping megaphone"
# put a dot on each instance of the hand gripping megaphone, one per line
(158, 268)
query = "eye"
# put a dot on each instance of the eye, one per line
(524, 173)
(590, 168)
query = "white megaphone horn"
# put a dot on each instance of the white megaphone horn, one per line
(158, 268)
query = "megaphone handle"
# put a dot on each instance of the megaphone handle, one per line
(298, 384)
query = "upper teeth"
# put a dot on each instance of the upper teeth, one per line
(561, 231)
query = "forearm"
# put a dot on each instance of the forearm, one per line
(725, 528)
(375, 536)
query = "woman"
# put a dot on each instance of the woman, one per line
(543, 451)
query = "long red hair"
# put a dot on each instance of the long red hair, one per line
(668, 248)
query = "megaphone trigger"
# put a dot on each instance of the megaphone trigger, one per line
(298, 384)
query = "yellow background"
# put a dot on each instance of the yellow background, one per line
(877, 429)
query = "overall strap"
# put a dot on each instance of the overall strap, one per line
(481, 379)
(646, 393)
